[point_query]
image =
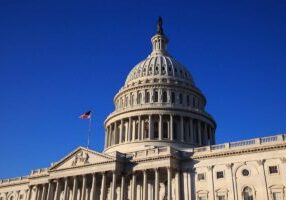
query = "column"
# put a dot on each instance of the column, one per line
(182, 129)
(44, 192)
(169, 186)
(56, 197)
(178, 185)
(65, 188)
(261, 170)
(211, 182)
(199, 133)
(106, 138)
(145, 187)
(129, 129)
(103, 187)
(133, 130)
(113, 188)
(185, 191)
(134, 186)
(171, 128)
(74, 191)
(192, 131)
(122, 189)
(121, 131)
(151, 135)
(230, 181)
(139, 127)
(157, 184)
(93, 187)
(83, 187)
(160, 127)
(37, 192)
(190, 189)
(28, 196)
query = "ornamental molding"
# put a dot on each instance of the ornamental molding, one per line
(80, 159)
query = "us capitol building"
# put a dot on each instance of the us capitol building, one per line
(160, 144)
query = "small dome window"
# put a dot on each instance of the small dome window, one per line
(164, 96)
(147, 96)
(245, 172)
(181, 98)
(173, 97)
(155, 96)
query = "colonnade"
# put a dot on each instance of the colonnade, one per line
(151, 184)
(160, 127)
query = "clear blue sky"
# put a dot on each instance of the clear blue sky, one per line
(60, 58)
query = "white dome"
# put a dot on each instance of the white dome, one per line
(161, 66)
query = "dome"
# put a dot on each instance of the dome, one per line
(159, 105)
(159, 65)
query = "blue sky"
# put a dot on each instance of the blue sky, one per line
(61, 58)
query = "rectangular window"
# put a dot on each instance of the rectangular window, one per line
(221, 197)
(201, 177)
(277, 196)
(273, 169)
(219, 174)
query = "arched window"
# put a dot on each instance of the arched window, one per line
(132, 99)
(126, 101)
(155, 97)
(139, 97)
(147, 97)
(173, 97)
(181, 98)
(247, 194)
(188, 100)
(164, 96)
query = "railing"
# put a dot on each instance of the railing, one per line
(39, 171)
(9, 180)
(244, 143)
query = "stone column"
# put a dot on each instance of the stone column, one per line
(65, 188)
(178, 184)
(74, 191)
(44, 192)
(134, 186)
(129, 129)
(157, 184)
(113, 187)
(28, 196)
(185, 191)
(103, 187)
(56, 197)
(211, 182)
(106, 137)
(169, 184)
(182, 129)
(122, 189)
(93, 187)
(192, 139)
(230, 181)
(199, 133)
(139, 127)
(283, 170)
(83, 189)
(160, 127)
(171, 128)
(121, 131)
(261, 170)
(133, 130)
(145, 188)
(151, 135)
(190, 189)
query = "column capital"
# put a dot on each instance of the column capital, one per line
(261, 162)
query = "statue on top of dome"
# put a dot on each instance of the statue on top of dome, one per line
(159, 26)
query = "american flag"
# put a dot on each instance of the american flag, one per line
(86, 115)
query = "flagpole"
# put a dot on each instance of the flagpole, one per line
(89, 130)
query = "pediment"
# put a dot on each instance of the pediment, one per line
(80, 157)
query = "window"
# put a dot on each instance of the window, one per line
(277, 196)
(219, 175)
(202, 198)
(273, 169)
(247, 194)
(164, 98)
(221, 197)
(181, 98)
(147, 97)
(201, 177)
(155, 97)
(245, 172)
(173, 97)
(188, 100)
(139, 97)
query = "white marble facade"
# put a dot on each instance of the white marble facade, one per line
(160, 144)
